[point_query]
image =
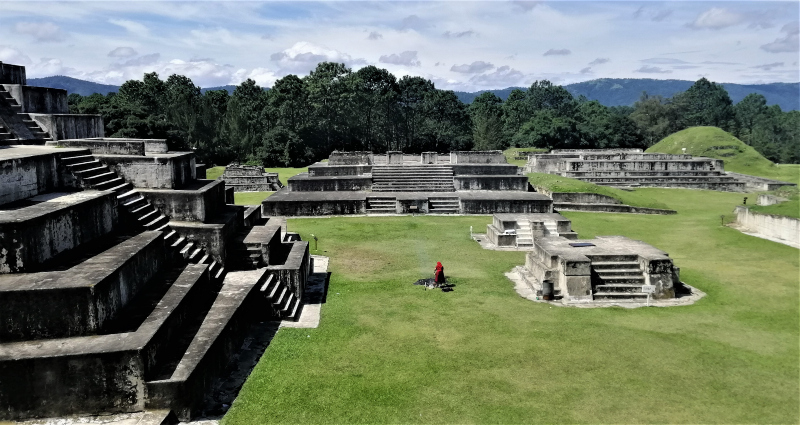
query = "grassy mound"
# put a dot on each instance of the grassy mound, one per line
(556, 183)
(714, 142)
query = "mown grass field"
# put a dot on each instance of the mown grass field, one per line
(214, 173)
(390, 352)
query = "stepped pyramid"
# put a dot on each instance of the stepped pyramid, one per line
(127, 283)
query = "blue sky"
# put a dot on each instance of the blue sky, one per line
(458, 45)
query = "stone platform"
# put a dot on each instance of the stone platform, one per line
(291, 203)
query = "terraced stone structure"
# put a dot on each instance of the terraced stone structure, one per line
(471, 182)
(607, 268)
(250, 178)
(634, 168)
(126, 283)
(31, 115)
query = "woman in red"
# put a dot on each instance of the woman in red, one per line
(438, 275)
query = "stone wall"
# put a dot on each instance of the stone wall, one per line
(103, 146)
(322, 169)
(31, 173)
(42, 100)
(477, 157)
(200, 204)
(490, 206)
(214, 237)
(69, 126)
(303, 183)
(295, 270)
(350, 158)
(773, 226)
(250, 178)
(158, 171)
(518, 183)
(12, 74)
(56, 225)
(485, 169)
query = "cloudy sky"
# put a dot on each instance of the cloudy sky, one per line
(458, 45)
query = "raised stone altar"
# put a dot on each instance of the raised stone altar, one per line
(471, 182)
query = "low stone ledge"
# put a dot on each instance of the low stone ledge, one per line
(198, 201)
(294, 271)
(154, 170)
(215, 235)
(489, 182)
(305, 183)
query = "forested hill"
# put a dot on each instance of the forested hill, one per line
(621, 91)
(608, 91)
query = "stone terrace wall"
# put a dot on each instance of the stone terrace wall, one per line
(30, 175)
(12, 74)
(773, 226)
(477, 157)
(167, 171)
(66, 126)
(350, 158)
(43, 100)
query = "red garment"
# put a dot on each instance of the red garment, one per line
(438, 275)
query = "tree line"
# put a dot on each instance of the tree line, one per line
(301, 120)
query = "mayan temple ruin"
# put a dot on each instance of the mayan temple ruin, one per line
(126, 282)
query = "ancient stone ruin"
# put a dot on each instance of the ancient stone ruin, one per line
(126, 283)
(250, 178)
(606, 268)
(634, 168)
(471, 182)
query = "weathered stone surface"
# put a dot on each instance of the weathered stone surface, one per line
(156, 171)
(304, 183)
(216, 235)
(200, 200)
(28, 171)
(486, 182)
(350, 158)
(70, 126)
(54, 223)
(477, 157)
(12, 74)
(43, 100)
(772, 226)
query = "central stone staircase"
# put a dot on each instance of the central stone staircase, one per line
(618, 277)
(33, 127)
(412, 178)
(444, 205)
(524, 234)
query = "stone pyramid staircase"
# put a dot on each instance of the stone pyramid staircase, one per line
(381, 205)
(284, 302)
(619, 278)
(92, 174)
(34, 128)
(412, 178)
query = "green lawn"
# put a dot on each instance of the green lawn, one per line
(388, 351)
(250, 198)
(283, 173)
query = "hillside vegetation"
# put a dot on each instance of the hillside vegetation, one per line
(714, 142)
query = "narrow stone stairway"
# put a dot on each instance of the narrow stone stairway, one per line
(286, 305)
(381, 205)
(620, 278)
(444, 205)
(95, 175)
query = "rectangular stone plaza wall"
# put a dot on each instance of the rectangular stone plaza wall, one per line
(12, 74)
(323, 169)
(32, 235)
(157, 171)
(477, 157)
(69, 126)
(200, 204)
(350, 158)
(485, 169)
(773, 226)
(42, 100)
(30, 173)
(491, 206)
(103, 146)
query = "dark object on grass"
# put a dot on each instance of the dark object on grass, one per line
(438, 274)
(431, 284)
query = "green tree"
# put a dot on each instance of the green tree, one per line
(486, 112)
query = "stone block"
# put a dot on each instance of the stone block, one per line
(29, 171)
(216, 234)
(70, 126)
(304, 183)
(12, 74)
(42, 100)
(153, 171)
(350, 158)
(200, 200)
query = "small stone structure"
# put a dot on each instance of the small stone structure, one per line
(473, 182)
(30, 115)
(634, 168)
(604, 269)
(775, 227)
(250, 178)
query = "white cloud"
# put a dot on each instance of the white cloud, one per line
(599, 61)
(769, 66)
(647, 69)
(473, 68)
(264, 77)
(503, 76)
(450, 34)
(143, 60)
(587, 70)
(664, 61)
(304, 56)
(374, 35)
(788, 43)
(717, 18)
(122, 52)
(414, 22)
(131, 26)
(408, 58)
(13, 56)
(40, 31)
(557, 52)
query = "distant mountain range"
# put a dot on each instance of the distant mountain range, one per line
(608, 91)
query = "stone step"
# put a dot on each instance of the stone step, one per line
(89, 172)
(100, 178)
(618, 272)
(81, 166)
(618, 288)
(109, 184)
(619, 296)
(158, 223)
(602, 265)
(613, 258)
(622, 279)
(77, 159)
